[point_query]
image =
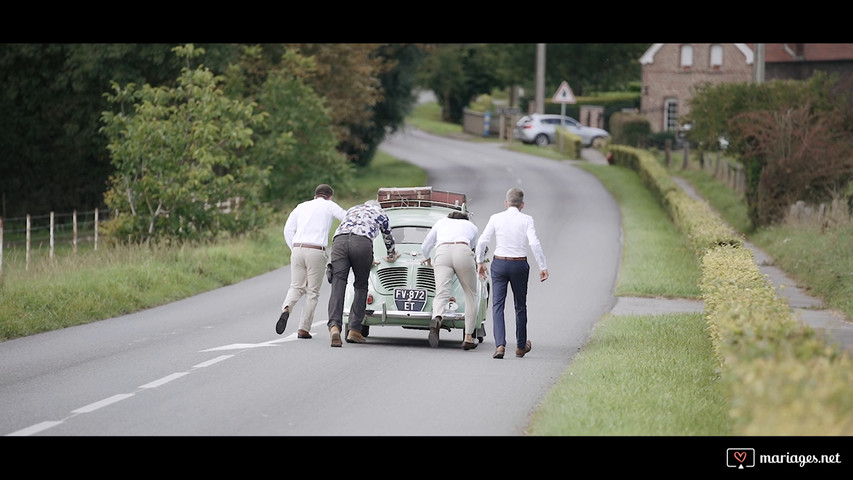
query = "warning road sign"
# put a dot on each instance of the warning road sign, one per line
(564, 94)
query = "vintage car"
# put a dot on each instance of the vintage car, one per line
(400, 294)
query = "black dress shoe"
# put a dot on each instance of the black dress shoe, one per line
(281, 324)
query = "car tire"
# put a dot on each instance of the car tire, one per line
(365, 330)
(541, 140)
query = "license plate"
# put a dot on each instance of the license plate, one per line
(410, 299)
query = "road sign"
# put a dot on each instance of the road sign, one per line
(564, 94)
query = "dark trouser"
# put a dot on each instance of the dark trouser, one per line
(515, 273)
(356, 252)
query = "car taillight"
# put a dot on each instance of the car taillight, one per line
(370, 299)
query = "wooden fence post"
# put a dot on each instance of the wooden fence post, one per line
(51, 235)
(28, 242)
(74, 236)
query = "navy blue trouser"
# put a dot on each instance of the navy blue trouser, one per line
(512, 273)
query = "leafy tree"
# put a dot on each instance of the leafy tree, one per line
(297, 139)
(177, 155)
(398, 80)
(779, 126)
(53, 156)
(457, 73)
(593, 67)
(347, 76)
(805, 156)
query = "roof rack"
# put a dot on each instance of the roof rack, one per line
(420, 197)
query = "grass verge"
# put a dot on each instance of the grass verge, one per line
(638, 375)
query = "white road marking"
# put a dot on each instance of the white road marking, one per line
(212, 361)
(25, 432)
(102, 403)
(42, 426)
(164, 380)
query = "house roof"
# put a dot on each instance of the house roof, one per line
(811, 52)
(649, 56)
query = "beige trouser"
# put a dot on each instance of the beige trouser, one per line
(455, 259)
(307, 270)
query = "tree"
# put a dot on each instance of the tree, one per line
(52, 154)
(296, 140)
(398, 80)
(805, 157)
(177, 155)
(593, 67)
(457, 73)
(780, 126)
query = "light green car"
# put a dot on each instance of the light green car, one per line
(400, 294)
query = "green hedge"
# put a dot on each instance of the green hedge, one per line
(781, 376)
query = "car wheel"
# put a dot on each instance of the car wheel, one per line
(541, 140)
(365, 330)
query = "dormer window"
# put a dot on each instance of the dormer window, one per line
(686, 57)
(716, 56)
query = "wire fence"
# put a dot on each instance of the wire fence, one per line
(52, 229)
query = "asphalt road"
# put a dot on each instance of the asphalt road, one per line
(212, 365)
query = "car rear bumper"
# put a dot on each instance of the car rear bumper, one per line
(401, 318)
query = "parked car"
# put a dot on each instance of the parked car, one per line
(540, 128)
(400, 294)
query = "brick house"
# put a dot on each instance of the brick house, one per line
(671, 71)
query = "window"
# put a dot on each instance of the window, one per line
(670, 114)
(686, 56)
(716, 57)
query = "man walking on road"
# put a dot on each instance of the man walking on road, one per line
(306, 233)
(513, 232)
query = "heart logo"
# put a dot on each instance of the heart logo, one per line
(740, 456)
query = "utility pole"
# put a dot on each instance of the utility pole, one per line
(540, 78)
(759, 62)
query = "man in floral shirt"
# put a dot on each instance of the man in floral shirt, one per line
(352, 247)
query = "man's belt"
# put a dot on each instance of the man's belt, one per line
(308, 245)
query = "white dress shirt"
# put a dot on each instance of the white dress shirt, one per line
(513, 232)
(311, 221)
(449, 230)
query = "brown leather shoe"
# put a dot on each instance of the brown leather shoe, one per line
(302, 334)
(499, 352)
(335, 333)
(519, 352)
(469, 345)
(355, 337)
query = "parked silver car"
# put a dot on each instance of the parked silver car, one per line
(540, 128)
